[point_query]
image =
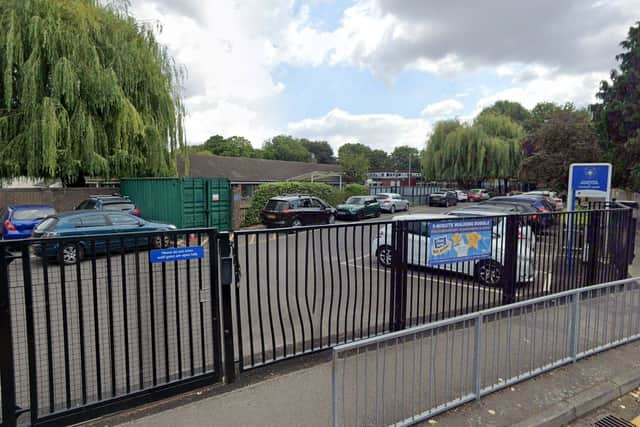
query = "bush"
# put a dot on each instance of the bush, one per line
(267, 191)
(350, 190)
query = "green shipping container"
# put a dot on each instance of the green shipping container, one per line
(183, 202)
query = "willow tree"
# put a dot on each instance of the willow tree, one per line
(490, 148)
(85, 91)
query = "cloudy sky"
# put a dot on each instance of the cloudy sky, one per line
(380, 72)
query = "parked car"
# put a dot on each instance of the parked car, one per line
(91, 223)
(18, 221)
(540, 205)
(462, 196)
(444, 198)
(359, 207)
(488, 272)
(478, 195)
(551, 196)
(114, 202)
(392, 202)
(296, 211)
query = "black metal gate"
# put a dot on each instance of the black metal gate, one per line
(117, 328)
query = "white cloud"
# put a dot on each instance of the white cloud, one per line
(579, 89)
(378, 131)
(443, 108)
(228, 56)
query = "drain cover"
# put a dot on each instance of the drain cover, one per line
(613, 421)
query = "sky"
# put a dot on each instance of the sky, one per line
(379, 72)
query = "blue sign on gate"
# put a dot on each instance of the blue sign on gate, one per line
(459, 240)
(176, 254)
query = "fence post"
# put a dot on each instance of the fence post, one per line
(7, 373)
(226, 280)
(593, 222)
(477, 339)
(575, 329)
(510, 260)
(398, 302)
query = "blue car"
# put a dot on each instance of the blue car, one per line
(94, 223)
(18, 221)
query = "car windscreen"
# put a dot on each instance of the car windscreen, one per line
(277, 205)
(32, 214)
(47, 224)
(355, 201)
(119, 206)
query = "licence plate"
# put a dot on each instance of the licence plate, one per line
(271, 216)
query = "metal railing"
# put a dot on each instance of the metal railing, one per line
(405, 377)
(310, 288)
(110, 326)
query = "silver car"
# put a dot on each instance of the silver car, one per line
(392, 202)
(488, 272)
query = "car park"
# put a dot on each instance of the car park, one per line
(359, 207)
(444, 198)
(18, 221)
(114, 202)
(478, 195)
(488, 272)
(392, 202)
(551, 196)
(462, 196)
(82, 224)
(297, 210)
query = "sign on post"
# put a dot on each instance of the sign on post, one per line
(176, 254)
(459, 240)
(589, 180)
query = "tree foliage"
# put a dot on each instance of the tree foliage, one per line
(514, 110)
(235, 146)
(284, 147)
(404, 157)
(85, 91)
(321, 151)
(355, 167)
(566, 137)
(617, 116)
(490, 148)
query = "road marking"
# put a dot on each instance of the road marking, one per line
(430, 278)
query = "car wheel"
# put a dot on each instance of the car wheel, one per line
(332, 219)
(296, 223)
(378, 213)
(70, 254)
(385, 255)
(446, 204)
(393, 209)
(160, 242)
(360, 216)
(489, 273)
(407, 207)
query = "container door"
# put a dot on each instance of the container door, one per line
(195, 206)
(219, 204)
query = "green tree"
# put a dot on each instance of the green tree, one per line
(543, 111)
(85, 91)
(354, 149)
(284, 147)
(404, 157)
(514, 110)
(490, 148)
(566, 137)
(617, 115)
(379, 160)
(321, 151)
(355, 167)
(235, 146)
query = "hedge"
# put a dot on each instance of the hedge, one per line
(323, 191)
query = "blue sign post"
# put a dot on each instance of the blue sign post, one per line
(589, 180)
(459, 240)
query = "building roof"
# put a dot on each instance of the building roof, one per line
(242, 169)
